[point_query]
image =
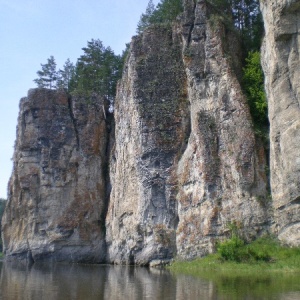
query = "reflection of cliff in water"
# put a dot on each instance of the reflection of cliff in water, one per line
(67, 281)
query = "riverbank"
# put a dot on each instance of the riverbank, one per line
(264, 256)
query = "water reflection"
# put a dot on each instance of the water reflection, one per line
(65, 281)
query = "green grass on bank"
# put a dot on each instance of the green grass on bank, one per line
(234, 257)
(1, 255)
(261, 270)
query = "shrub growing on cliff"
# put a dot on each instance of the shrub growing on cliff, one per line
(253, 83)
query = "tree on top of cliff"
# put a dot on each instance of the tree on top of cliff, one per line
(165, 11)
(247, 19)
(97, 71)
(65, 75)
(145, 19)
(48, 75)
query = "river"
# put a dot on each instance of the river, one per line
(89, 282)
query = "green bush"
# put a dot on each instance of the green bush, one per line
(235, 249)
(230, 249)
(253, 84)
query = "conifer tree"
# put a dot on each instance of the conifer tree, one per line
(65, 75)
(48, 74)
(165, 11)
(97, 70)
(145, 19)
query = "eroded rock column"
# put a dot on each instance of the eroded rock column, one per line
(280, 60)
(56, 200)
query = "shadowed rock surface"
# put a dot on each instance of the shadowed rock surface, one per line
(280, 59)
(56, 200)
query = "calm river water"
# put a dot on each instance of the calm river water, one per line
(89, 282)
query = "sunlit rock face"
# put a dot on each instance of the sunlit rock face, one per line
(222, 181)
(152, 127)
(280, 59)
(56, 200)
(181, 168)
(185, 163)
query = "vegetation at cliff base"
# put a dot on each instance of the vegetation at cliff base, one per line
(234, 257)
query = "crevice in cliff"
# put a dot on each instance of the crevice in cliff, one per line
(110, 131)
(191, 26)
(73, 121)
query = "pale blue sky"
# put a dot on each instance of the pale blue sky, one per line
(32, 30)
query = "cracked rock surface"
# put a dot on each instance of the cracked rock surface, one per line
(57, 190)
(280, 59)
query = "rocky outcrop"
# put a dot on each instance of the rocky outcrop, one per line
(221, 173)
(280, 59)
(56, 201)
(184, 166)
(152, 128)
(186, 163)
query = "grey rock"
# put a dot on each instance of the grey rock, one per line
(280, 59)
(56, 199)
(185, 163)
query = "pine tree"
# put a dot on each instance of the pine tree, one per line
(145, 19)
(65, 75)
(97, 70)
(165, 11)
(48, 74)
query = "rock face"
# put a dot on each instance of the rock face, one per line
(152, 128)
(280, 58)
(57, 191)
(221, 173)
(185, 163)
(184, 166)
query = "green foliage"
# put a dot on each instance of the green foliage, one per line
(235, 250)
(97, 71)
(65, 75)
(48, 75)
(230, 249)
(253, 84)
(255, 279)
(2, 206)
(265, 254)
(247, 19)
(165, 11)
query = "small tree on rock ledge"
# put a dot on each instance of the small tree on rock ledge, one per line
(48, 75)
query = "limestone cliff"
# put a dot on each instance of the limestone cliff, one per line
(186, 163)
(56, 195)
(280, 58)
